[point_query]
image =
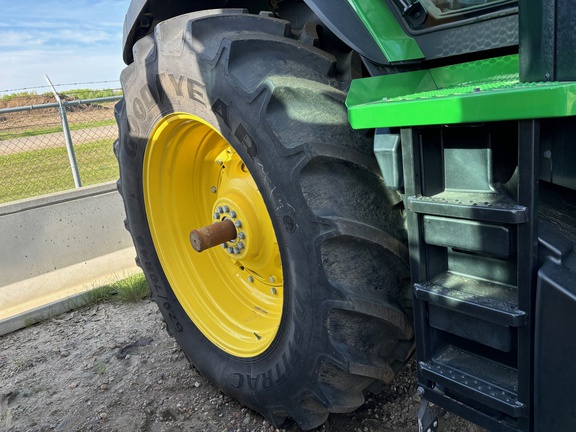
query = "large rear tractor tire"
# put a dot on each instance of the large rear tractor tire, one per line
(225, 117)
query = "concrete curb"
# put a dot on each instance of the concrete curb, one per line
(56, 248)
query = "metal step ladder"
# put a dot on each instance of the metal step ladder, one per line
(473, 247)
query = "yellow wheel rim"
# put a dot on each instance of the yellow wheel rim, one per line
(233, 292)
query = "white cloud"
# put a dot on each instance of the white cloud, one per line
(18, 39)
(78, 34)
(76, 41)
(61, 66)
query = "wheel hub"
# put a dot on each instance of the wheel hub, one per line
(239, 247)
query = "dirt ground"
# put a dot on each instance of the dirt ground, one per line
(30, 119)
(113, 367)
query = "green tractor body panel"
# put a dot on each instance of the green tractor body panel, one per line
(384, 28)
(480, 91)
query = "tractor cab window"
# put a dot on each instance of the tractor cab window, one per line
(442, 8)
(432, 14)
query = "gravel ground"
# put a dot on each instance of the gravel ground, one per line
(113, 367)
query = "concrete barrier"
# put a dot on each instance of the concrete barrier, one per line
(57, 247)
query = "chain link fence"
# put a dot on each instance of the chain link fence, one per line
(34, 158)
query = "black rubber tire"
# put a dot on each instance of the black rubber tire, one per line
(346, 321)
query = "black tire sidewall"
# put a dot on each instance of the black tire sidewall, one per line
(262, 380)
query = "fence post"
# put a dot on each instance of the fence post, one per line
(67, 136)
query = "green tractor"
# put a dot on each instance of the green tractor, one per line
(318, 191)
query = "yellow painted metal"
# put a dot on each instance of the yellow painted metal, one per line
(193, 177)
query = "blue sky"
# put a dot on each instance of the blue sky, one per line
(72, 41)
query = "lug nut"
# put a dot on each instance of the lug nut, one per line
(213, 189)
(240, 245)
(220, 209)
(241, 235)
(232, 214)
(250, 279)
(238, 224)
(272, 279)
(231, 250)
(226, 209)
(273, 291)
(219, 161)
(236, 250)
(216, 215)
(224, 245)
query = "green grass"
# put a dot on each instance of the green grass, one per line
(92, 94)
(131, 289)
(99, 368)
(128, 290)
(23, 94)
(42, 130)
(44, 171)
(79, 93)
(11, 96)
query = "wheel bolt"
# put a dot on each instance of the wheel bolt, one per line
(238, 224)
(232, 214)
(241, 235)
(240, 245)
(216, 215)
(220, 209)
(231, 250)
(226, 209)
(236, 250)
